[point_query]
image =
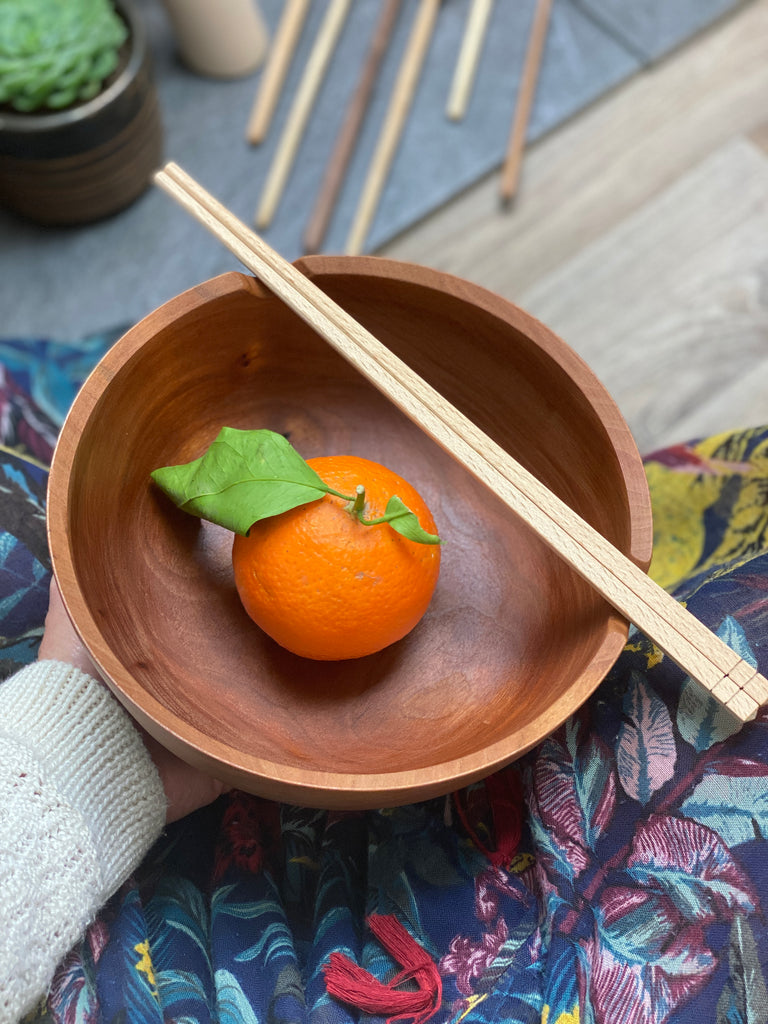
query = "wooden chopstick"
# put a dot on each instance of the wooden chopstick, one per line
(627, 588)
(394, 122)
(350, 129)
(469, 56)
(306, 93)
(279, 60)
(514, 156)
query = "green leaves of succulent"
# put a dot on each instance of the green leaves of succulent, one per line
(54, 53)
(249, 475)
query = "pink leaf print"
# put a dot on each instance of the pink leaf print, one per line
(683, 458)
(625, 992)
(646, 918)
(637, 925)
(469, 960)
(97, 937)
(645, 753)
(575, 791)
(599, 779)
(71, 998)
(489, 887)
(693, 866)
(740, 767)
(550, 850)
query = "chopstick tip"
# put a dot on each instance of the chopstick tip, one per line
(507, 200)
(165, 171)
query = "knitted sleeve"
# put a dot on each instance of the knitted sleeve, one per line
(80, 804)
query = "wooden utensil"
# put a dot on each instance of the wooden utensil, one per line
(469, 56)
(306, 94)
(679, 634)
(278, 61)
(394, 122)
(512, 162)
(350, 129)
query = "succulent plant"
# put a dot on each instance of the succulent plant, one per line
(55, 53)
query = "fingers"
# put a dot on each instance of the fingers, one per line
(186, 789)
(60, 641)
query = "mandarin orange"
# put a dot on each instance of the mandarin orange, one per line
(324, 585)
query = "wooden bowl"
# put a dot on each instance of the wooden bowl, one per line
(513, 642)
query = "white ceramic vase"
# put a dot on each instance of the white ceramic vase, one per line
(219, 38)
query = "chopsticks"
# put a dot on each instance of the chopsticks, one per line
(394, 122)
(280, 55)
(706, 658)
(469, 55)
(353, 120)
(514, 155)
(306, 94)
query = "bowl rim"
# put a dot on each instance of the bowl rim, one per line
(311, 786)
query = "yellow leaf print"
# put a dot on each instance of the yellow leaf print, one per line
(472, 1002)
(521, 862)
(144, 965)
(678, 522)
(653, 654)
(720, 469)
(307, 862)
(567, 1017)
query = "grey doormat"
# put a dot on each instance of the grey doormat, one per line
(67, 283)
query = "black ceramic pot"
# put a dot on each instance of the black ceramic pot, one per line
(86, 162)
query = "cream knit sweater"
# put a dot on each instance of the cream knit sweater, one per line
(80, 804)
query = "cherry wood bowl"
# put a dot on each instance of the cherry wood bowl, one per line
(513, 642)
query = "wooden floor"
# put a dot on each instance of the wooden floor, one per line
(640, 235)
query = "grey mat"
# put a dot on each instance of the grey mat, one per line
(66, 283)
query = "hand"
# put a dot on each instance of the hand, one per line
(186, 788)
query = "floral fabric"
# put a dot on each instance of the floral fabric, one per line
(617, 874)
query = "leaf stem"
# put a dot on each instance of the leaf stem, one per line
(358, 506)
(381, 519)
(338, 494)
(396, 512)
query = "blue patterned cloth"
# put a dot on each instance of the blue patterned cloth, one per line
(38, 381)
(617, 874)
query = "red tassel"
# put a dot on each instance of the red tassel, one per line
(351, 984)
(506, 796)
(505, 799)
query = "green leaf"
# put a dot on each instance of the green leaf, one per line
(400, 518)
(245, 476)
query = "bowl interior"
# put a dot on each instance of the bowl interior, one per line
(513, 641)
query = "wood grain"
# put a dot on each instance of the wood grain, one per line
(759, 135)
(603, 165)
(686, 359)
(697, 118)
